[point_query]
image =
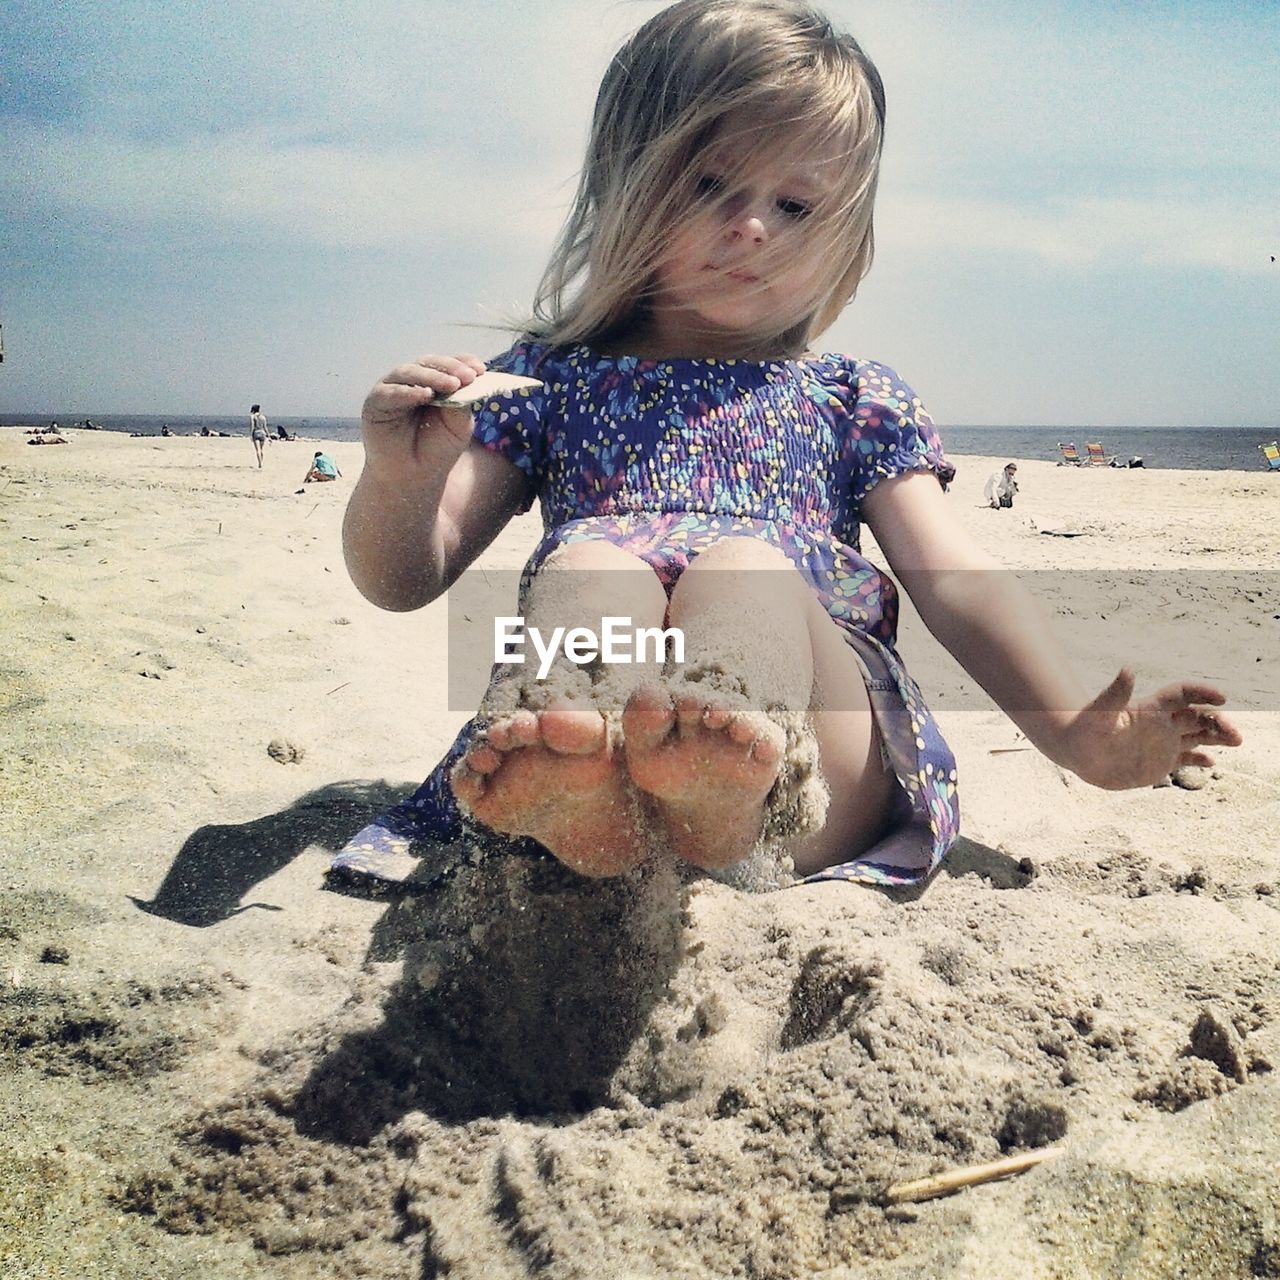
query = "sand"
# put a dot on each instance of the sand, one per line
(212, 1067)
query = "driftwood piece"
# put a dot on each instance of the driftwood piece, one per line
(941, 1184)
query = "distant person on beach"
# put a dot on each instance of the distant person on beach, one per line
(1001, 486)
(258, 430)
(323, 468)
(282, 434)
(701, 469)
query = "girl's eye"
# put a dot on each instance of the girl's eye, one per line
(708, 185)
(795, 208)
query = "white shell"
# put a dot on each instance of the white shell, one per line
(486, 385)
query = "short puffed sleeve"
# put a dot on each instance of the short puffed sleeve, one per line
(514, 425)
(888, 431)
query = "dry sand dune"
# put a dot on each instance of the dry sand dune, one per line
(211, 1067)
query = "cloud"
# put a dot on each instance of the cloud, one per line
(1226, 235)
(321, 192)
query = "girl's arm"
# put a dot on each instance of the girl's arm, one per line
(997, 632)
(429, 500)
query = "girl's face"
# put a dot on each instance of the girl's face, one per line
(744, 266)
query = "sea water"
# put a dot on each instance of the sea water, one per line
(1205, 448)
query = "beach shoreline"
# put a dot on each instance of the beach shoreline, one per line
(216, 1068)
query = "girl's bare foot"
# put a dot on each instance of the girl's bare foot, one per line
(555, 776)
(709, 761)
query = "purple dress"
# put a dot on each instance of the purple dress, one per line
(664, 457)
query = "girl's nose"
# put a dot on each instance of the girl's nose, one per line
(746, 226)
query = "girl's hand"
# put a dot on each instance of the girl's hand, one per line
(404, 435)
(1115, 744)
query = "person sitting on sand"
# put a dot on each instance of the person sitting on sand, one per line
(258, 430)
(323, 468)
(701, 469)
(282, 434)
(1001, 486)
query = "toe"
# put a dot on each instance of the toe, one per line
(518, 730)
(716, 716)
(468, 787)
(767, 750)
(524, 728)
(648, 718)
(689, 709)
(482, 759)
(572, 730)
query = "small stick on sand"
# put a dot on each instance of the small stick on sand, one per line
(941, 1184)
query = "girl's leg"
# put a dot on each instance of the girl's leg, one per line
(708, 758)
(863, 789)
(546, 765)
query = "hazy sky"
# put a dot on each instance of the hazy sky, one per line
(204, 205)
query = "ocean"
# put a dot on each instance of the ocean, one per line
(1178, 448)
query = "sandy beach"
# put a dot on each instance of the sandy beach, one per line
(211, 1066)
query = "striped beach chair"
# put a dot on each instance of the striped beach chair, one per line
(1272, 454)
(1098, 456)
(1070, 455)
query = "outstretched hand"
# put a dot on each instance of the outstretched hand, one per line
(1117, 743)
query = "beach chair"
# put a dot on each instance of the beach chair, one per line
(1098, 455)
(1070, 455)
(1272, 454)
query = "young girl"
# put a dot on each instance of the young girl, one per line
(699, 467)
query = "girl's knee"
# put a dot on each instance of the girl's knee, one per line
(741, 552)
(593, 579)
(749, 571)
(594, 554)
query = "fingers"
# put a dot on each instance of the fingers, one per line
(1115, 697)
(1185, 692)
(1189, 705)
(403, 397)
(1202, 726)
(434, 376)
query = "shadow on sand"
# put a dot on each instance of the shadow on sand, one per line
(524, 986)
(218, 865)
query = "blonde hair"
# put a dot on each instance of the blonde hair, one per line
(747, 72)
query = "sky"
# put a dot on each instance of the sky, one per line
(206, 205)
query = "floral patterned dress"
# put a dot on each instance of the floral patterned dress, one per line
(664, 457)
